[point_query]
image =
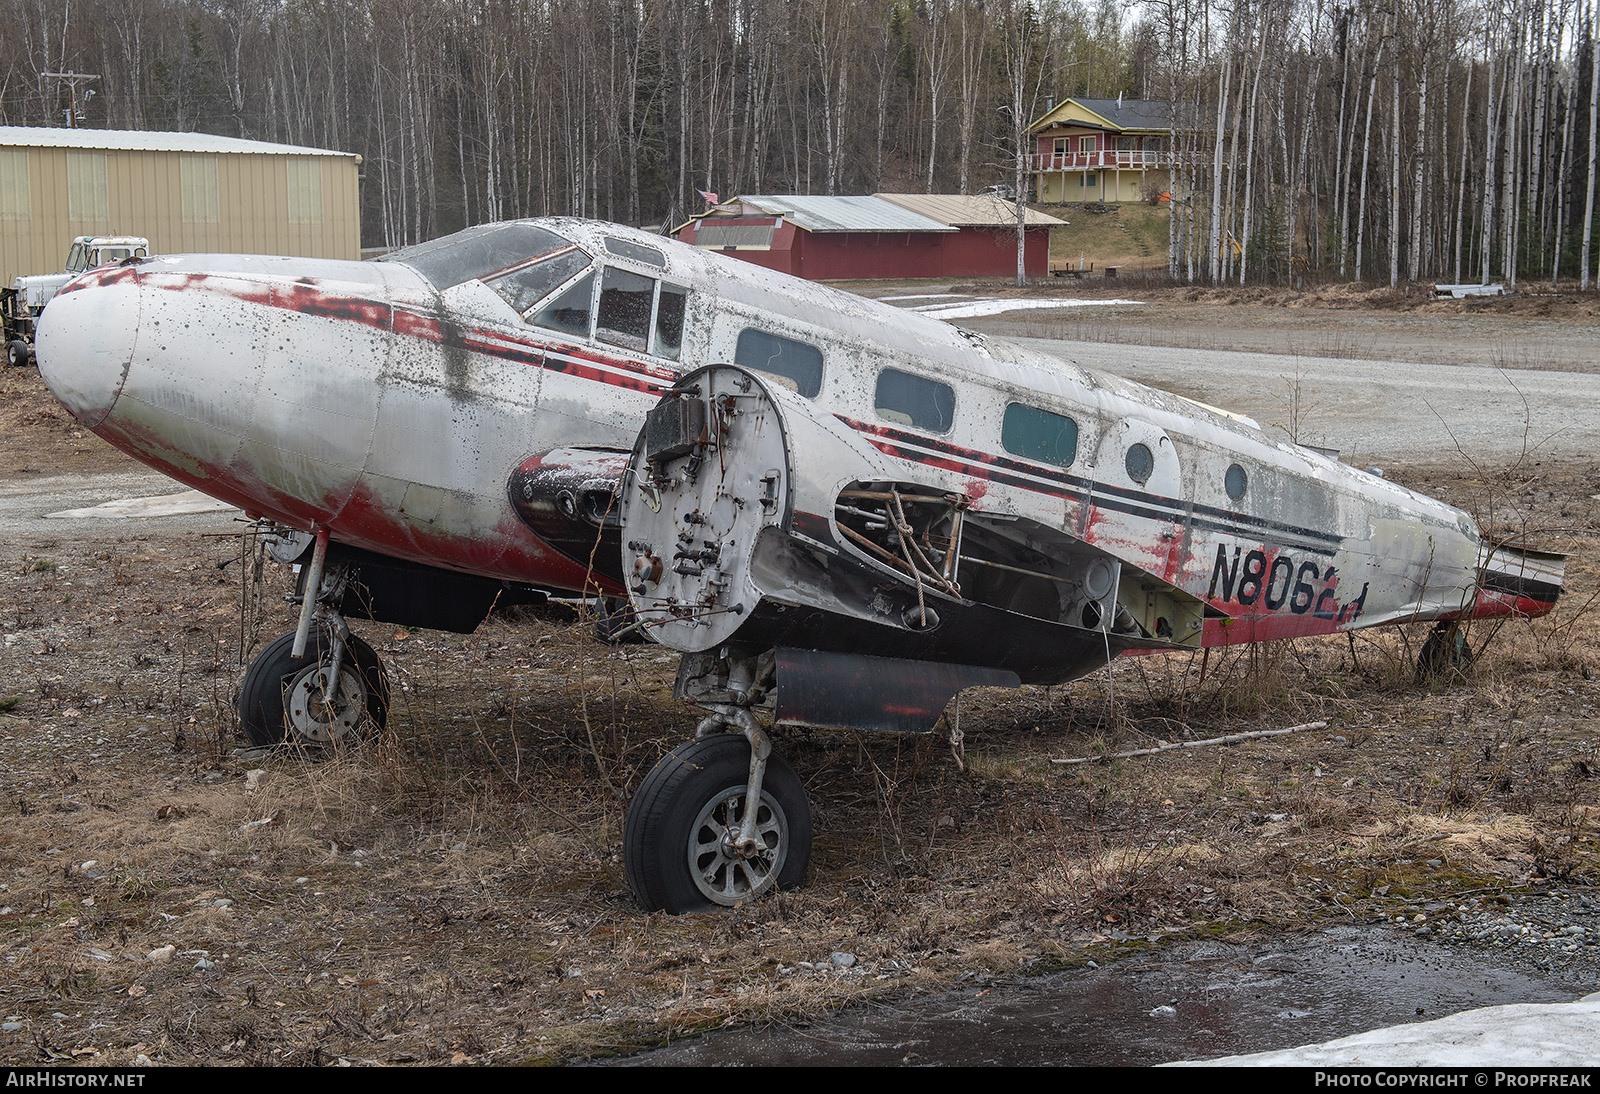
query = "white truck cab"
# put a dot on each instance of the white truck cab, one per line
(21, 304)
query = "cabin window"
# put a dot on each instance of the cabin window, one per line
(626, 300)
(1235, 482)
(523, 288)
(1036, 434)
(1085, 145)
(477, 252)
(775, 355)
(1061, 146)
(639, 252)
(77, 258)
(569, 312)
(1124, 144)
(915, 401)
(670, 309)
(1140, 463)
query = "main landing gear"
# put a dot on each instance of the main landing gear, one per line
(320, 685)
(329, 696)
(720, 820)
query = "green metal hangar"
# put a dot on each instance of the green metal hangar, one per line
(184, 192)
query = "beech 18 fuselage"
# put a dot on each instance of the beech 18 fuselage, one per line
(823, 485)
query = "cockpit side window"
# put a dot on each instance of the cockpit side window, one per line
(476, 252)
(915, 401)
(669, 320)
(569, 312)
(626, 300)
(776, 355)
(524, 287)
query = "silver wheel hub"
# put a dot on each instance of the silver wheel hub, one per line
(725, 872)
(320, 714)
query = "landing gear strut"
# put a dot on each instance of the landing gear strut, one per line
(323, 698)
(1444, 651)
(320, 685)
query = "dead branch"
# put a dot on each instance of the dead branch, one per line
(1231, 738)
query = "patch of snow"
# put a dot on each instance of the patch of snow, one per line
(995, 307)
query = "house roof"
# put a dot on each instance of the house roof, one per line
(843, 214)
(1117, 114)
(128, 140)
(969, 210)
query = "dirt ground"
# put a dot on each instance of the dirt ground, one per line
(452, 891)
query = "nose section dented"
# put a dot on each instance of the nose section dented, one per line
(85, 340)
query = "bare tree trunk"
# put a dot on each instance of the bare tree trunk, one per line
(1594, 108)
(1366, 151)
(1215, 236)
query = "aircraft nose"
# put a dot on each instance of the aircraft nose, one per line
(84, 341)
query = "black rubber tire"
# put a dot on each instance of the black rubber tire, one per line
(615, 622)
(19, 353)
(274, 672)
(1444, 652)
(662, 820)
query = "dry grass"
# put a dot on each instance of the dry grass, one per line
(451, 890)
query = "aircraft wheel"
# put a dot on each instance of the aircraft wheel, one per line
(677, 844)
(615, 622)
(1444, 651)
(18, 352)
(283, 698)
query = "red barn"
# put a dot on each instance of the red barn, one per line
(882, 236)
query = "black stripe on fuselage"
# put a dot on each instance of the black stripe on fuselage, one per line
(916, 448)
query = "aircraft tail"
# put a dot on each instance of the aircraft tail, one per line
(1515, 579)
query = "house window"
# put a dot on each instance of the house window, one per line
(86, 187)
(1124, 144)
(14, 201)
(305, 190)
(1088, 180)
(197, 177)
(1085, 145)
(1061, 145)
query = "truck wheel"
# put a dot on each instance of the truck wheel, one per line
(19, 353)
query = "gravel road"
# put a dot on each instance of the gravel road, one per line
(1373, 411)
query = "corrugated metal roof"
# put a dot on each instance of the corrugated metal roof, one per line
(130, 140)
(970, 210)
(844, 214)
(1131, 113)
(1128, 114)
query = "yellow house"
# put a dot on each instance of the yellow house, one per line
(1109, 150)
(184, 192)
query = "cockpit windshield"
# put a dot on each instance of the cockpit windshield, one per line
(476, 252)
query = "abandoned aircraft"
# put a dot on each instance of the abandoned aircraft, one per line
(840, 513)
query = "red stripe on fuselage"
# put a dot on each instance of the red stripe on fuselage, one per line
(304, 297)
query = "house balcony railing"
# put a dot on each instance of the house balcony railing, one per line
(1110, 160)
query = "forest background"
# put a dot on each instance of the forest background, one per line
(1315, 139)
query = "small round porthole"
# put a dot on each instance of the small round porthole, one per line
(1140, 463)
(1235, 481)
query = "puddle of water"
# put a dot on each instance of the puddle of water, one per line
(1197, 1000)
